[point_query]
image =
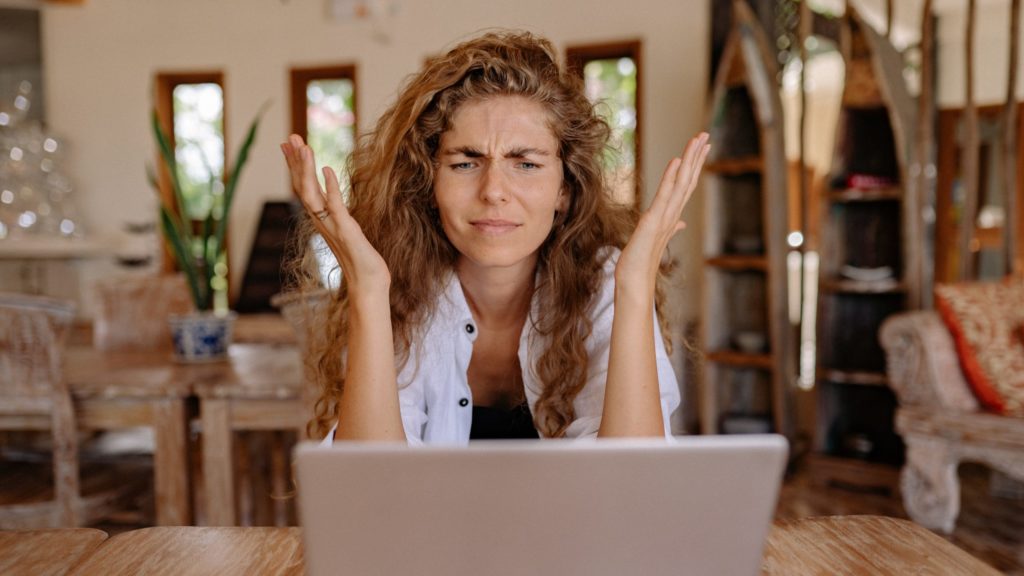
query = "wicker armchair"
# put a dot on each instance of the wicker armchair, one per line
(939, 419)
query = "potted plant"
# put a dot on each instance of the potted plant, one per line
(205, 334)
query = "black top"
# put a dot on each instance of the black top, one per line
(490, 423)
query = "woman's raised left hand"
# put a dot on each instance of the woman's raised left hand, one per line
(637, 269)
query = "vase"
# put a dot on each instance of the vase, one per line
(201, 336)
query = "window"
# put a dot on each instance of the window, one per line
(611, 75)
(191, 109)
(324, 113)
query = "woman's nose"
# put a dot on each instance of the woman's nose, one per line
(494, 187)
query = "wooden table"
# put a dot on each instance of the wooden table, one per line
(187, 550)
(45, 552)
(269, 328)
(261, 390)
(125, 388)
(864, 545)
(827, 545)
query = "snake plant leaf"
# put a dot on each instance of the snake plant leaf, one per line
(171, 163)
(184, 256)
(198, 251)
(232, 181)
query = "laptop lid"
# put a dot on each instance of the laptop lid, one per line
(695, 505)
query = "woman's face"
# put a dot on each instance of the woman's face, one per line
(499, 182)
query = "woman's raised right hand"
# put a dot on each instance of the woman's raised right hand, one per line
(364, 269)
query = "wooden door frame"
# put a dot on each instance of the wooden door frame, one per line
(948, 163)
(577, 56)
(165, 82)
(299, 79)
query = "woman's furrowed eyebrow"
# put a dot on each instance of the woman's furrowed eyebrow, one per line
(471, 152)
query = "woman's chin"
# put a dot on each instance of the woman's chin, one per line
(498, 259)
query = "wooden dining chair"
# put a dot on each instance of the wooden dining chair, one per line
(306, 312)
(131, 311)
(34, 397)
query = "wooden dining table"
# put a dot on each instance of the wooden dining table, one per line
(260, 389)
(46, 552)
(810, 546)
(120, 389)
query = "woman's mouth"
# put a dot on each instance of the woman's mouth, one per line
(493, 226)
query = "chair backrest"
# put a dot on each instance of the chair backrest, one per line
(33, 330)
(306, 313)
(131, 311)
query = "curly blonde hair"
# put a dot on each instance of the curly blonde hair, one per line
(391, 177)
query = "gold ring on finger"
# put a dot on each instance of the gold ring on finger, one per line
(322, 214)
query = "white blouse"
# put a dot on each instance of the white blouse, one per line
(436, 401)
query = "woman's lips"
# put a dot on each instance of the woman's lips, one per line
(493, 226)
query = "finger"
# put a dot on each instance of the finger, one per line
(693, 175)
(665, 186)
(695, 155)
(676, 193)
(335, 203)
(289, 159)
(291, 148)
(311, 194)
(690, 158)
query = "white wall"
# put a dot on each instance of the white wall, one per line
(991, 44)
(991, 54)
(100, 59)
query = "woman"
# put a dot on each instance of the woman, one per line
(484, 293)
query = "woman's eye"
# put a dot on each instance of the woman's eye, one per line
(462, 165)
(529, 165)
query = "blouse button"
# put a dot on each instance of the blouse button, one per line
(464, 402)
(470, 329)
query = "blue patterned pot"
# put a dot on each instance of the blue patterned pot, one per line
(201, 336)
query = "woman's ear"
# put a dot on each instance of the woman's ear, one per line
(562, 204)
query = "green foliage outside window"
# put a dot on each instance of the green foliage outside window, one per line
(330, 123)
(611, 83)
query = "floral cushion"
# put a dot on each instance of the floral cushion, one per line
(985, 319)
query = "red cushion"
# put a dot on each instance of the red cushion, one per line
(984, 318)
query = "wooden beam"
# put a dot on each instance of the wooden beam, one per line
(970, 153)
(1011, 231)
(888, 19)
(924, 173)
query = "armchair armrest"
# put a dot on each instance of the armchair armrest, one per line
(922, 363)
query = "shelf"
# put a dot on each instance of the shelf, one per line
(846, 286)
(744, 284)
(738, 262)
(48, 248)
(987, 239)
(854, 377)
(866, 194)
(735, 166)
(741, 359)
(863, 104)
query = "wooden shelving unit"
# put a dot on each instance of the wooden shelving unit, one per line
(749, 357)
(866, 261)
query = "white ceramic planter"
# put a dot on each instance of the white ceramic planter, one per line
(201, 336)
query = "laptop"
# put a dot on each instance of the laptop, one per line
(694, 505)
